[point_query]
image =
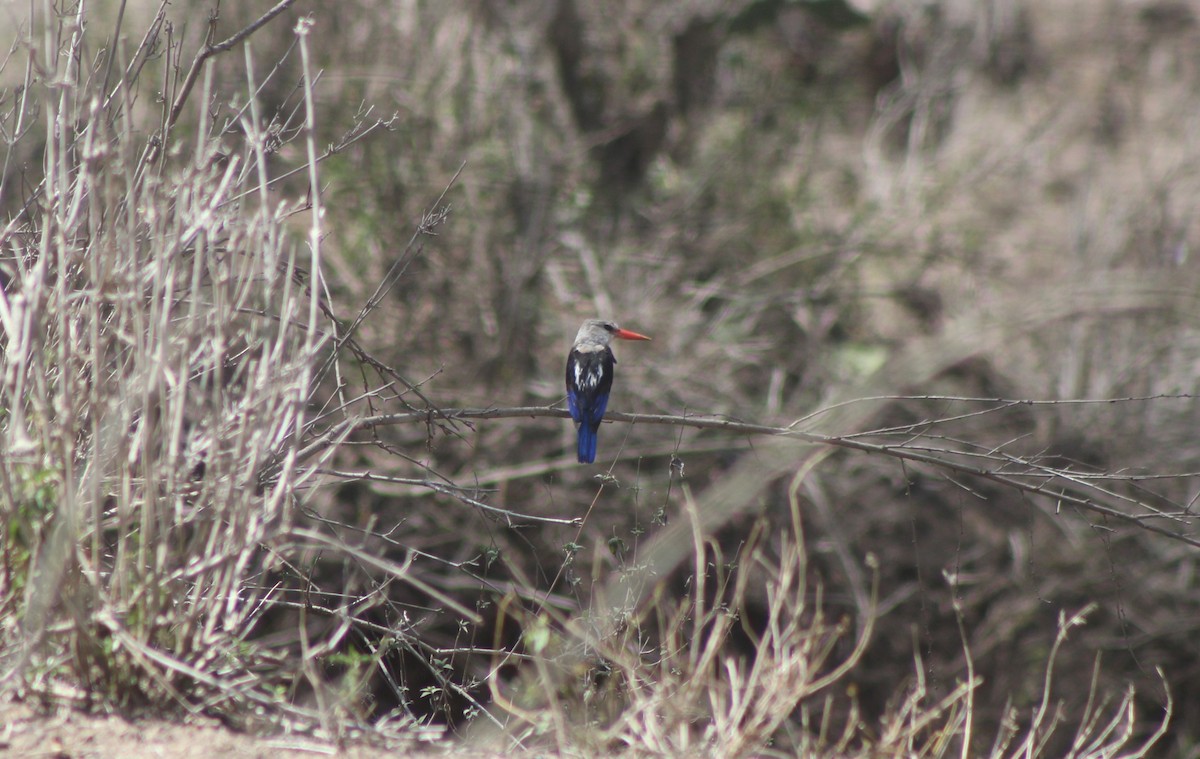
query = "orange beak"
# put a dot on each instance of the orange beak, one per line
(625, 334)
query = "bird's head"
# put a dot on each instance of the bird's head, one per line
(601, 332)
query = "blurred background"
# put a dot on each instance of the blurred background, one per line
(943, 204)
(787, 195)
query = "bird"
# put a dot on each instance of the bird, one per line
(589, 379)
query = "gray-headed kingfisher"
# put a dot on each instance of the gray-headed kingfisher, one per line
(589, 379)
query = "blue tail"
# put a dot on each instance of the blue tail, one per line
(587, 442)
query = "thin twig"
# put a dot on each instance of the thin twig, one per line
(210, 50)
(452, 491)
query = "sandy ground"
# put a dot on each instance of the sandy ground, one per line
(67, 734)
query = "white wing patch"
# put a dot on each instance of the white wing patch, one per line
(588, 377)
(591, 379)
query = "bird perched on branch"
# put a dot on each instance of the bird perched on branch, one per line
(589, 379)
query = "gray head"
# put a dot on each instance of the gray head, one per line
(598, 333)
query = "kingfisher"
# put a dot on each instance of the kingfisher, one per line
(589, 379)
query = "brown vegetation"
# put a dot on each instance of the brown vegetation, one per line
(908, 469)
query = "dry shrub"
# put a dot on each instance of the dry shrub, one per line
(162, 334)
(715, 672)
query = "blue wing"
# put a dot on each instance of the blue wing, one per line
(573, 404)
(599, 406)
(586, 406)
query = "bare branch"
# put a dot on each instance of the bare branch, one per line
(1062, 485)
(212, 49)
(453, 492)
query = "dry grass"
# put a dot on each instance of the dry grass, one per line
(163, 331)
